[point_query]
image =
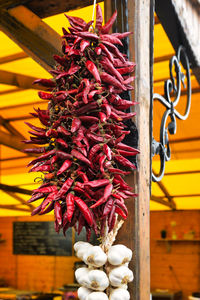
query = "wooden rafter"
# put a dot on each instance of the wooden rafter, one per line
(19, 80)
(161, 201)
(35, 37)
(14, 207)
(11, 141)
(14, 189)
(22, 201)
(13, 57)
(5, 123)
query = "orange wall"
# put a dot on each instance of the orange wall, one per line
(31, 272)
(184, 257)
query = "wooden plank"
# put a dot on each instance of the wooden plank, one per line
(10, 128)
(19, 80)
(161, 201)
(22, 201)
(51, 7)
(11, 141)
(14, 207)
(35, 37)
(14, 189)
(12, 57)
(135, 231)
(183, 28)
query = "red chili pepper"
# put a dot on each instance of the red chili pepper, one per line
(95, 138)
(42, 157)
(107, 193)
(88, 119)
(58, 212)
(97, 183)
(35, 150)
(102, 117)
(99, 17)
(76, 21)
(82, 191)
(45, 96)
(39, 129)
(62, 143)
(98, 50)
(80, 156)
(107, 52)
(45, 82)
(111, 80)
(127, 153)
(49, 208)
(93, 70)
(38, 133)
(63, 155)
(121, 35)
(48, 189)
(43, 168)
(36, 210)
(65, 166)
(107, 151)
(76, 123)
(81, 223)
(118, 171)
(93, 151)
(52, 132)
(112, 39)
(65, 187)
(88, 35)
(50, 198)
(114, 50)
(108, 207)
(70, 206)
(120, 212)
(84, 210)
(124, 162)
(35, 197)
(84, 44)
(63, 131)
(106, 28)
(119, 139)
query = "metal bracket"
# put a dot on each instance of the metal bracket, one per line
(172, 88)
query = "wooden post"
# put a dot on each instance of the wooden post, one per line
(135, 231)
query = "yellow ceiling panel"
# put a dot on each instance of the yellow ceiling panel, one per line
(25, 66)
(162, 44)
(8, 47)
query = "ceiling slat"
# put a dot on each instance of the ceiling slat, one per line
(35, 37)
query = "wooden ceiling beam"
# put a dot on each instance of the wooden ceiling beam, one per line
(11, 141)
(14, 207)
(161, 201)
(22, 201)
(4, 4)
(52, 7)
(14, 189)
(19, 80)
(12, 57)
(5, 123)
(35, 37)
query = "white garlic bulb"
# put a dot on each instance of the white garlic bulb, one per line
(97, 280)
(95, 256)
(97, 296)
(81, 275)
(120, 275)
(119, 294)
(81, 248)
(83, 292)
(119, 254)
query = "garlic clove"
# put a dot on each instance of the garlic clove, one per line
(80, 244)
(83, 292)
(97, 280)
(95, 256)
(81, 248)
(119, 254)
(97, 296)
(120, 275)
(119, 294)
(81, 275)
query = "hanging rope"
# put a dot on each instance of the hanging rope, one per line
(94, 5)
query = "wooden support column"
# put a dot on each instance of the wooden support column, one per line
(135, 231)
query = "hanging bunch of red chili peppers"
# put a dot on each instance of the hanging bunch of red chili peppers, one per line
(83, 156)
